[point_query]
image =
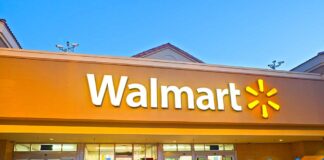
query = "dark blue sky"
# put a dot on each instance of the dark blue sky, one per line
(248, 33)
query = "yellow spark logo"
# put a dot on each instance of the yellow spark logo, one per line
(256, 102)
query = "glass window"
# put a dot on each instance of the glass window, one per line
(69, 147)
(214, 147)
(124, 149)
(35, 147)
(185, 158)
(149, 151)
(22, 148)
(46, 147)
(215, 157)
(169, 147)
(107, 152)
(154, 152)
(228, 147)
(184, 147)
(227, 158)
(91, 152)
(199, 147)
(139, 147)
(139, 151)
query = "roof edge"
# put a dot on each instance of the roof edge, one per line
(45, 55)
(318, 54)
(8, 28)
(164, 46)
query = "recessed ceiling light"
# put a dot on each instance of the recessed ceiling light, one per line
(51, 139)
(281, 140)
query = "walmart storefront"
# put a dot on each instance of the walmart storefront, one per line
(56, 106)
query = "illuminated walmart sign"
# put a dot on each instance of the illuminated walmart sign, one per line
(256, 102)
(139, 95)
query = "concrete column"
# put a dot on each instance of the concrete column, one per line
(6, 150)
(80, 151)
(160, 152)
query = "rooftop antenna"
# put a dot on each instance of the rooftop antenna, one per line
(275, 64)
(69, 47)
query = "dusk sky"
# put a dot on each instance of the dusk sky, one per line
(249, 33)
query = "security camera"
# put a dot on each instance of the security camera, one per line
(59, 46)
(75, 44)
(68, 48)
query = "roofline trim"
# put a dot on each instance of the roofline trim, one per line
(5, 40)
(319, 54)
(29, 54)
(165, 46)
(315, 67)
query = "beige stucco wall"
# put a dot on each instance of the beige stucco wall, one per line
(281, 151)
(264, 151)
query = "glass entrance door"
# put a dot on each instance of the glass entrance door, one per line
(201, 157)
(182, 157)
(123, 157)
(185, 157)
(214, 157)
(171, 158)
(220, 157)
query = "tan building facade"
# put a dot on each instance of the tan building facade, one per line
(64, 106)
(161, 104)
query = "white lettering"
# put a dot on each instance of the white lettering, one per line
(138, 97)
(106, 82)
(141, 93)
(220, 98)
(177, 96)
(209, 97)
(233, 93)
(153, 84)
